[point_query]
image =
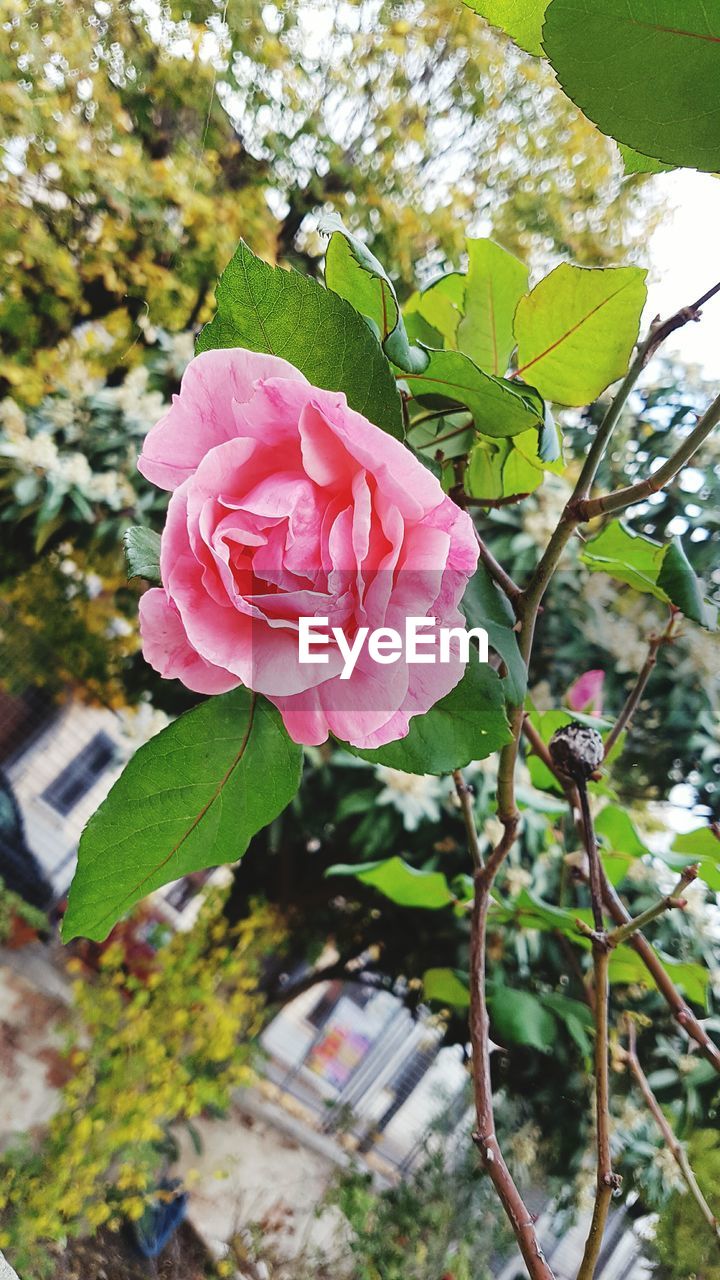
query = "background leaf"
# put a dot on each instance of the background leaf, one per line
(658, 569)
(190, 798)
(644, 71)
(447, 987)
(286, 314)
(468, 724)
(518, 1017)
(576, 330)
(398, 881)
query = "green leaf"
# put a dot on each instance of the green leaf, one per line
(440, 309)
(627, 968)
(352, 271)
(485, 605)
(529, 911)
(496, 281)
(620, 842)
(634, 162)
(468, 724)
(190, 798)
(142, 553)
(658, 569)
(644, 71)
(520, 19)
(517, 1017)
(498, 408)
(399, 882)
(500, 470)
(577, 1017)
(699, 846)
(447, 987)
(576, 330)
(286, 314)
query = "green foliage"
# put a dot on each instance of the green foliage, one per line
(576, 330)
(485, 605)
(643, 71)
(701, 846)
(498, 407)
(662, 571)
(398, 881)
(286, 314)
(191, 797)
(13, 908)
(142, 553)
(467, 724)
(684, 1247)
(447, 987)
(144, 1054)
(521, 19)
(495, 283)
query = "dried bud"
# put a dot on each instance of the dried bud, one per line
(577, 751)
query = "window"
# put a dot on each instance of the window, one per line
(81, 774)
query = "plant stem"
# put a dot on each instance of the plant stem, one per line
(496, 571)
(677, 1151)
(638, 689)
(607, 1181)
(465, 796)
(624, 932)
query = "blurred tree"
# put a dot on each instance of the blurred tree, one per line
(140, 142)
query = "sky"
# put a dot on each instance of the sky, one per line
(685, 262)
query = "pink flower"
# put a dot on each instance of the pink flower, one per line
(286, 504)
(586, 693)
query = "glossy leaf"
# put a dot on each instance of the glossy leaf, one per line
(521, 19)
(498, 408)
(644, 71)
(447, 987)
(398, 881)
(518, 1017)
(468, 724)
(286, 314)
(352, 271)
(485, 605)
(142, 553)
(190, 798)
(658, 569)
(495, 283)
(576, 330)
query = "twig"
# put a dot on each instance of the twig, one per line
(627, 497)
(670, 902)
(496, 571)
(675, 1148)
(485, 1136)
(465, 796)
(607, 1181)
(638, 689)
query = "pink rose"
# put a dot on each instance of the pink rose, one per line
(287, 504)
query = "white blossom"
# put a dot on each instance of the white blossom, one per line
(417, 797)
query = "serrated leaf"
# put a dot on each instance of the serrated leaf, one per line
(520, 19)
(644, 71)
(634, 162)
(576, 330)
(485, 605)
(398, 881)
(469, 724)
(142, 553)
(352, 271)
(447, 987)
(495, 283)
(286, 314)
(658, 569)
(498, 407)
(190, 798)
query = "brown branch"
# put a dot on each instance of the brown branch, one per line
(465, 796)
(638, 689)
(496, 571)
(672, 901)
(675, 1148)
(485, 1136)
